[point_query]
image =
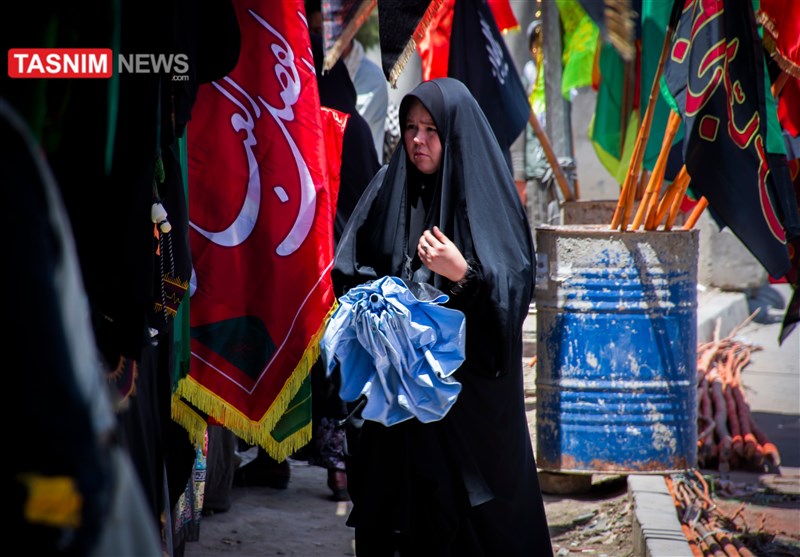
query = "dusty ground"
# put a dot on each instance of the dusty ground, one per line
(597, 523)
(301, 521)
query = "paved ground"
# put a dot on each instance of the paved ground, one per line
(299, 521)
(302, 522)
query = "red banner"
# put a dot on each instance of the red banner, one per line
(261, 211)
(504, 15)
(434, 48)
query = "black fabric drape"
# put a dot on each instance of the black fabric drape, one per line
(103, 140)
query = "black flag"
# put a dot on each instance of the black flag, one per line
(480, 59)
(715, 73)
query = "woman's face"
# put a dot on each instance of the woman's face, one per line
(421, 139)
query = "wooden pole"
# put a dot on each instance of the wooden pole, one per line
(654, 217)
(650, 197)
(676, 203)
(625, 204)
(672, 198)
(777, 87)
(558, 123)
(359, 18)
(561, 180)
(695, 214)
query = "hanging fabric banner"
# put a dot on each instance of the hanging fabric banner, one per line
(261, 207)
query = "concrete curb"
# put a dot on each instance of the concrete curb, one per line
(656, 529)
(729, 308)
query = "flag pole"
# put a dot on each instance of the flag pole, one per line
(670, 203)
(361, 16)
(650, 197)
(625, 203)
(676, 202)
(702, 203)
(561, 180)
(781, 80)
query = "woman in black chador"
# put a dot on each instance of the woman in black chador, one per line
(445, 211)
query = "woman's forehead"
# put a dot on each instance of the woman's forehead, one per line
(418, 111)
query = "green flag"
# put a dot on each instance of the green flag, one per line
(580, 44)
(616, 107)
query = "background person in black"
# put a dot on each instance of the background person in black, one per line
(445, 212)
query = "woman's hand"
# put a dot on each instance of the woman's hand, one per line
(441, 255)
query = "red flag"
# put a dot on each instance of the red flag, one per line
(503, 15)
(781, 21)
(434, 47)
(261, 209)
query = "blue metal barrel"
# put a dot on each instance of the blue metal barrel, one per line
(616, 328)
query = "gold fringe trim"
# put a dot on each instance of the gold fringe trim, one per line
(121, 399)
(787, 65)
(768, 24)
(771, 44)
(260, 433)
(350, 30)
(411, 45)
(116, 373)
(190, 420)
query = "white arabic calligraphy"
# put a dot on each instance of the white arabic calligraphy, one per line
(287, 76)
(494, 52)
(244, 223)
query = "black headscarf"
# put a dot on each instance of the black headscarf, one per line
(467, 484)
(475, 204)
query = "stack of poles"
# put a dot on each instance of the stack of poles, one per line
(655, 209)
